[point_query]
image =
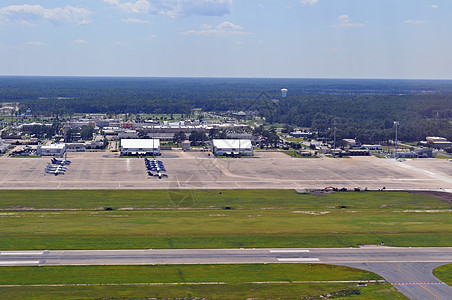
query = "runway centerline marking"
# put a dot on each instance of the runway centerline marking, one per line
(289, 251)
(297, 259)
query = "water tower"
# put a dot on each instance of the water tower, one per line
(284, 93)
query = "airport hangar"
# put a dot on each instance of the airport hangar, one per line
(223, 147)
(140, 147)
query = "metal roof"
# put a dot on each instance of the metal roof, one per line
(232, 144)
(140, 143)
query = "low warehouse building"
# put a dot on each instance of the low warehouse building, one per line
(232, 147)
(57, 150)
(140, 147)
(3, 146)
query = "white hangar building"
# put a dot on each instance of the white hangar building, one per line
(57, 150)
(140, 147)
(232, 147)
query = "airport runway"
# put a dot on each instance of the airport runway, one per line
(408, 269)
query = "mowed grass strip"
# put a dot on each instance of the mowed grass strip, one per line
(210, 199)
(199, 219)
(218, 291)
(444, 273)
(222, 229)
(180, 274)
(237, 282)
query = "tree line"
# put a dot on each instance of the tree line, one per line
(361, 109)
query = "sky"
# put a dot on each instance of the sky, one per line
(404, 39)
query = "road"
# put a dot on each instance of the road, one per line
(408, 269)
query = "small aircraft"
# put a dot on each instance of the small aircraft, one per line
(154, 161)
(155, 168)
(60, 162)
(154, 165)
(55, 169)
(159, 174)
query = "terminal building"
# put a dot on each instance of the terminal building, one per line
(56, 150)
(140, 147)
(222, 147)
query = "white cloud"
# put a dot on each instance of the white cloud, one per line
(79, 42)
(31, 14)
(228, 25)
(175, 8)
(434, 6)
(225, 28)
(310, 2)
(140, 6)
(414, 21)
(344, 21)
(35, 44)
(133, 20)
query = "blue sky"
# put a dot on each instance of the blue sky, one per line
(228, 38)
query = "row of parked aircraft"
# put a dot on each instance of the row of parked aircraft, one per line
(155, 166)
(57, 166)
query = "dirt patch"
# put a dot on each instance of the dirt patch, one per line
(443, 196)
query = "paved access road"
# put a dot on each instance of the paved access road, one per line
(408, 269)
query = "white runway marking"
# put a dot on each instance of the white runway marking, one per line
(128, 164)
(23, 262)
(297, 259)
(23, 253)
(288, 251)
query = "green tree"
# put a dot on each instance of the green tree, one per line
(179, 137)
(87, 132)
(197, 136)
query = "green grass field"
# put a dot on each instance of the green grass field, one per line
(444, 273)
(269, 281)
(219, 219)
(210, 219)
(211, 199)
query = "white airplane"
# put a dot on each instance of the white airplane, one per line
(54, 167)
(60, 162)
(159, 174)
(56, 170)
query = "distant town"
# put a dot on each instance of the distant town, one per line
(231, 133)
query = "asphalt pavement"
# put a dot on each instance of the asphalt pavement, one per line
(408, 269)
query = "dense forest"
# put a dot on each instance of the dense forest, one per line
(361, 109)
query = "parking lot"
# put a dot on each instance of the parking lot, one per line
(198, 170)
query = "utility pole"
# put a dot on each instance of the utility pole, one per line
(396, 127)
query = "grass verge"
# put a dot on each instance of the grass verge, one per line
(189, 291)
(444, 273)
(261, 281)
(219, 219)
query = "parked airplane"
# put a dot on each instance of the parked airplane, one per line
(159, 174)
(155, 168)
(155, 162)
(60, 162)
(55, 169)
(154, 165)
